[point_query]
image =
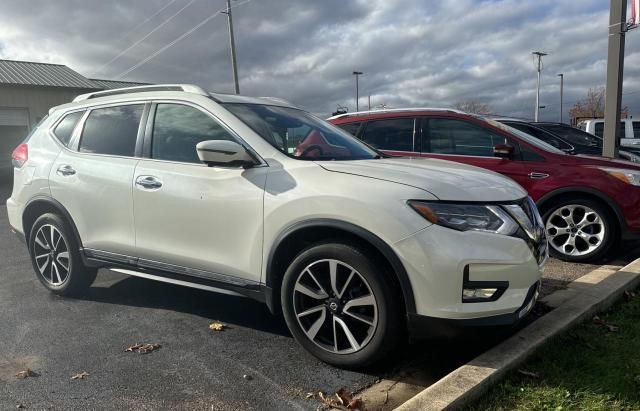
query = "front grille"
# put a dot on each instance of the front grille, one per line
(533, 232)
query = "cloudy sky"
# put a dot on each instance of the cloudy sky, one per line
(413, 52)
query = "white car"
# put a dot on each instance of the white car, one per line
(253, 197)
(628, 130)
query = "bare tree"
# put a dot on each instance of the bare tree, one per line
(591, 106)
(473, 106)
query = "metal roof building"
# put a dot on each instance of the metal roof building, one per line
(28, 90)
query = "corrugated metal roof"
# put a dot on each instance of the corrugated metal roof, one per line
(42, 74)
(111, 84)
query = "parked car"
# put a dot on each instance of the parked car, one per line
(571, 140)
(588, 203)
(254, 197)
(629, 130)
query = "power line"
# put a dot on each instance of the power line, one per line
(146, 20)
(158, 27)
(181, 37)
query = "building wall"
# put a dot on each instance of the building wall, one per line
(37, 100)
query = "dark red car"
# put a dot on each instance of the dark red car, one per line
(588, 203)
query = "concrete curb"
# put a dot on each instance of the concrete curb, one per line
(591, 293)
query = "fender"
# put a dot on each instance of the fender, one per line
(598, 194)
(372, 239)
(58, 206)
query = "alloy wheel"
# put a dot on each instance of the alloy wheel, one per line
(51, 254)
(335, 306)
(575, 230)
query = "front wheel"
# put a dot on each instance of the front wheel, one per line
(579, 230)
(56, 258)
(340, 306)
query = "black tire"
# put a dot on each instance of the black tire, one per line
(389, 325)
(79, 277)
(608, 224)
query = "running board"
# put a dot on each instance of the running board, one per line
(175, 281)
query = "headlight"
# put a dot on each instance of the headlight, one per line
(628, 176)
(466, 217)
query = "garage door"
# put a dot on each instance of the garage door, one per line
(14, 127)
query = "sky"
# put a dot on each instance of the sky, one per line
(414, 53)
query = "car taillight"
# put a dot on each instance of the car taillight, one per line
(20, 155)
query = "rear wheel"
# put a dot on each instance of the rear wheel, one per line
(340, 306)
(579, 230)
(56, 258)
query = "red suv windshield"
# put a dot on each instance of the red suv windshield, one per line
(299, 134)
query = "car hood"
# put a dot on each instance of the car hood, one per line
(446, 180)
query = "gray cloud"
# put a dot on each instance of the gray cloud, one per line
(413, 52)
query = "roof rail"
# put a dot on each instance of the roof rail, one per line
(188, 88)
(395, 110)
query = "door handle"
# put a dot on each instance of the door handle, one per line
(537, 176)
(148, 182)
(65, 170)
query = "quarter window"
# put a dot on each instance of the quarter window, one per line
(64, 129)
(599, 129)
(178, 128)
(112, 130)
(352, 128)
(452, 136)
(393, 134)
(636, 129)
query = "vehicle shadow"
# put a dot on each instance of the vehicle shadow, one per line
(231, 310)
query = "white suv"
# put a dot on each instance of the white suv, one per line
(253, 197)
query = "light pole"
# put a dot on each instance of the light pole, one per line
(539, 54)
(234, 63)
(357, 74)
(561, 75)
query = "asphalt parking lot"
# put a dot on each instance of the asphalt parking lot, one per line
(195, 368)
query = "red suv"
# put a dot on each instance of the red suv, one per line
(588, 203)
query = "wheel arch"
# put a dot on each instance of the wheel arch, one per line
(585, 192)
(296, 237)
(40, 205)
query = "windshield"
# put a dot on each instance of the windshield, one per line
(526, 137)
(299, 134)
(574, 135)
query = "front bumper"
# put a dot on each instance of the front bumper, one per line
(424, 327)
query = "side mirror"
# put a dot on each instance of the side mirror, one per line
(503, 151)
(224, 153)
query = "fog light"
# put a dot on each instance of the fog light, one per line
(478, 293)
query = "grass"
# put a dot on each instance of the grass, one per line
(590, 367)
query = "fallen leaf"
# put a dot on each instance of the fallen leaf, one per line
(612, 328)
(344, 396)
(26, 373)
(309, 395)
(356, 404)
(529, 373)
(598, 320)
(217, 326)
(143, 348)
(343, 400)
(80, 376)
(20, 405)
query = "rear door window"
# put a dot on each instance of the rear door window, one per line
(352, 128)
(454, 136)
(391, 134)
(64, 129)
(541, 135)
(598, 129)
(112, 130)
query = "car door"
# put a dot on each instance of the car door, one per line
(92, 179)
(190, 218)
(457, 139)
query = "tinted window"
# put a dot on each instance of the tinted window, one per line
(599, 129)
(452, 136)
(178, 128)
(112, 130)
(64, 129)
(574, 135)
(393, 134)
(540, 134)
(636, 129)
(352, 128)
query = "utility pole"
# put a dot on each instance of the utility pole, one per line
(369, 102)
(561, 75)
(539, 54)
(355, 73)
(615, 68)
(234, 62)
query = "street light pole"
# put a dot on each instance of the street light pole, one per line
(357, 74)
(615, 67)
(234, 62)
(539, 54)
(561, 75)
